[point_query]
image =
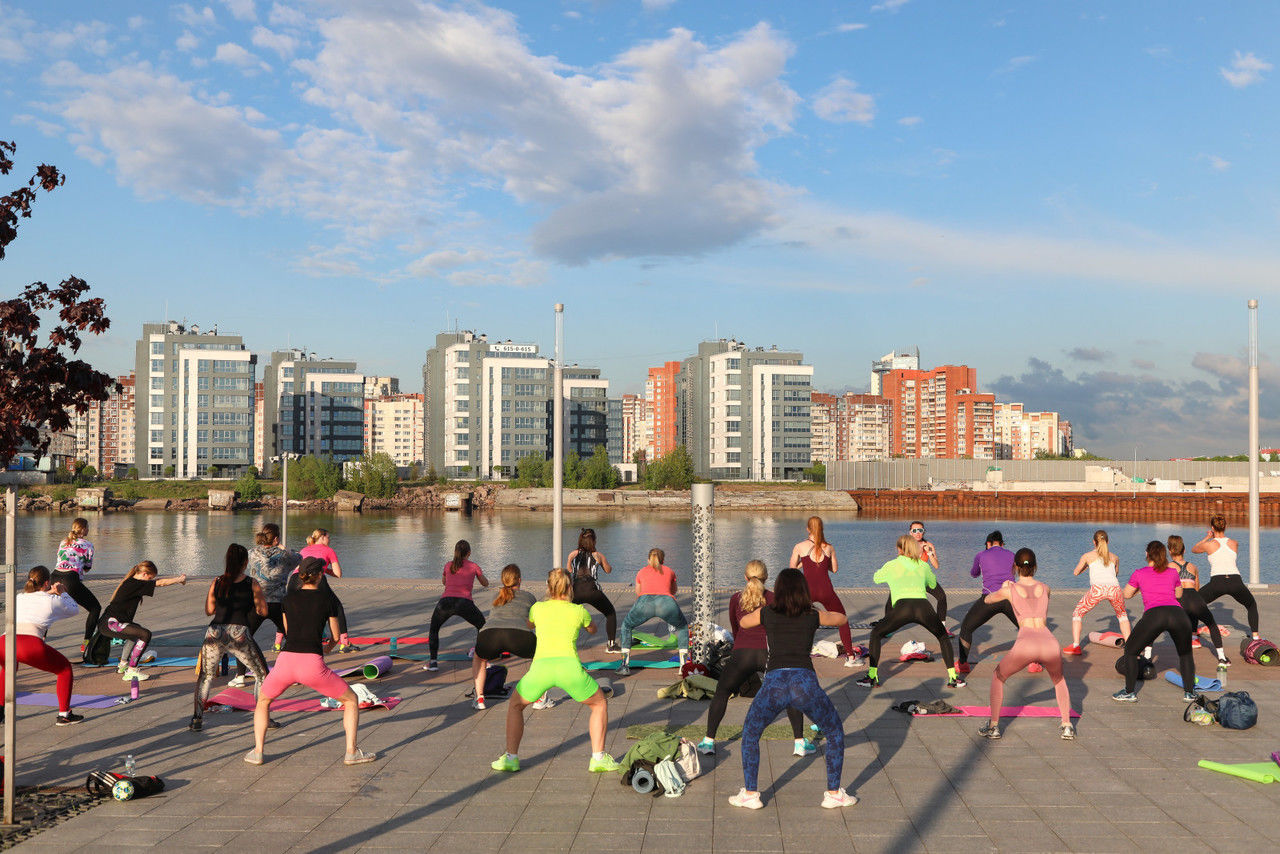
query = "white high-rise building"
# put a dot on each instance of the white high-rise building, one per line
(892, 361)
(1019, 434)
(393, 426)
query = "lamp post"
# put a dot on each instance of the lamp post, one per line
(557, 449)
(10, 650)
(284, 498)
(1255, 559)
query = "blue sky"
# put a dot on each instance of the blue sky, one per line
(1075, 198)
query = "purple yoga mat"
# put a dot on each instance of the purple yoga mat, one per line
(371, 669)
(78, 701)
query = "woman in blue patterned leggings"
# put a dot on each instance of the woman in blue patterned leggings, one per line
(789, 681)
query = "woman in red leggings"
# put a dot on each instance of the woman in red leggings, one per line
(817, 558)
(35, 609)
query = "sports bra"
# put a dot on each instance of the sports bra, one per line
(1223, 559)
(1026, 604)
(1102, 574)
(1184, 574)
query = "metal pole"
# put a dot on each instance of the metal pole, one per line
(284, 505)
(557, 444)
(10, 649)
(1254, 555)
(702, 497)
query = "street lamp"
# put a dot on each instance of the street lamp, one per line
(284, 496)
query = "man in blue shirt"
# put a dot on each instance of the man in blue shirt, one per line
(995, 565)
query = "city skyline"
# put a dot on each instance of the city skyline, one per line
(840, 181)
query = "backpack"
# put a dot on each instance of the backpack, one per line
(1259, 651)
(668, 776)
(1146, 667)
(97, 652)
(495, 681)
(1237, 710)
(104, 784)
(687, 760)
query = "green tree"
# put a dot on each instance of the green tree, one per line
(599, 473)
(249, 487)
(375, 476)
(529, 470)
(314, 477)
(816, 473)
(672, 471)
(415, 472)
(132, 474)
(574, 469)
(169, 471)
(431, 478)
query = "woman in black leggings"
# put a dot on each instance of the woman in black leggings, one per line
(1158, 583)
(584, 564)
(1192, 602)
(75, 559)
(1224, 574)
(459, 576)
(750, 655)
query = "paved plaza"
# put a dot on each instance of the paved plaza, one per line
(1129, 781)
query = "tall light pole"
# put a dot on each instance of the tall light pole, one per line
(1254, 556)
(10, 649)
(557, 449)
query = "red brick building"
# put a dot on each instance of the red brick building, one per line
(940, 414)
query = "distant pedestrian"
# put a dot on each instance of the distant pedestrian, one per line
(75, 559)
(459, 576)
(1224, 574)
(585, 564)
(1104, 586)
(36, 609)
(1192, 602)
(817, 559)
(117, 617)
(995, 564)
(655, 598)
(318, 546)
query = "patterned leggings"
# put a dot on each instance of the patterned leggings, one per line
(218, 641)
(1096, 596)
(798, 688)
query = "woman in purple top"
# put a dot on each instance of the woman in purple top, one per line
(1158, 583)
(459, 577)
(995, 565)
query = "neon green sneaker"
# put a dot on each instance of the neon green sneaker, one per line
(603, 765)
(505, 762)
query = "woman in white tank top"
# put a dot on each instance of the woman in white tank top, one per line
(1103, 587)
(1224, 574)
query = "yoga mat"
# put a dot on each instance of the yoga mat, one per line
(159, 661)
(1258, 772)
(1112, 639)
(726, 732)
(613, 665)
(419, 656)
(1005, 712)
(80, 701)
(244, 701)
(1203, 683)
(372, 669)
(374, 641)
(648, 641)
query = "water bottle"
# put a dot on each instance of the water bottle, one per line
(129, 765)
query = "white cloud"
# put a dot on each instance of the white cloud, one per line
(282, 44)
(850, 28)
(233, 54)
(137, 22)
(187, 42)
(1219, 164)
(1015, 63)
(889, 5)
(286, 16)
(444, 260)
(21, 37)
(1246, 69)
(910, 121)
(840, 101)
(241, 10)
(655, 5)
(195, 18)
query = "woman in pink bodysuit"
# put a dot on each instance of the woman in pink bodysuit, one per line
(1035, 643)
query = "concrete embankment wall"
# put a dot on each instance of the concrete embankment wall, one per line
(675, 500)
(1066, 506)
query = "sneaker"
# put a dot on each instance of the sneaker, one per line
(1224, 663)
(838, 798)
(1195, 643)
(851, 662)
(272, 723)
(505, 762)
(747, 800)
(1188, 696)
(1068, 732)
(253, 757)
(359, 757)
(1123, 696)
(867, 681)
(84, 644)
(277, 646)
(478, 704)
(543, 702)
(603, 765)
(989, 730)
(624, 669)
(613, 647)
(134, 673)
(963, 667)
(1073, 649)
(122, 667)
(707, 747)
(68, 719)
(804, 747)
(958, 682)
(431, 666)
(1033, 667)
(345, 647)
(238, 682)
(196, 724)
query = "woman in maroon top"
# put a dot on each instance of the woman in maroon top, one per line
(818, 560)
(750, 653)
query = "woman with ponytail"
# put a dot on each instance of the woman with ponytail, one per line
(75, 559)
(36, 609)
(270, 565)
(817, 558)
(749, 657)
(1104, 586)
(655, 598)
(507, 629)
(1161, 589)
(234, 600)
(117, 617)
(318, 547)
(459, 576)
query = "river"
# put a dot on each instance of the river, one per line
(404, 545)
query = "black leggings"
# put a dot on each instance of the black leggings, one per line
(275, 613)
(979, 613)
(1227, 585)
(1155, 622)
(939, 595)
(492, 643)
(742, 664)
(112, 628)
(906, 612)
(451, 606)
(587, 592)
(334, 602)
(83, 596)
(1198, 611)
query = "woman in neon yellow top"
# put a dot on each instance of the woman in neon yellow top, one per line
(556, 622)
(908, 578)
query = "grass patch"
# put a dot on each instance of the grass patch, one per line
(727, 732)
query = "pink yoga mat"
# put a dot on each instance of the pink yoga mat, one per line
(1114, 639)
(244, 700)
(1005, 712)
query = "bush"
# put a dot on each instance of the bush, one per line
(816, 473)
(314, 477)
(169, 471)
(431, 477)
(529, 470)
(598, 472)
(249, 487)
(673, 471)
(132, 474)
(376, 476)
(415, 472)
(62, 493)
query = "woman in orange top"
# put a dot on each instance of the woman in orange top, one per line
(656, 598)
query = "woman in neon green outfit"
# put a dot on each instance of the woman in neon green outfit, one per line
(556, 622)
(908, 577)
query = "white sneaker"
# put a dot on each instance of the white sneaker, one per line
(840, 798)
(804, 747)
(543, 702)
(134, 673)
(747, 800)
(237, 682)
(851, 662)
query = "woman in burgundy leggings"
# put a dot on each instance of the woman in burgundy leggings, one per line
(817, 558)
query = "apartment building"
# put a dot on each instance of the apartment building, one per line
(661, 393)
(381, 386)
(892, 361)
(939, 413)
(850, 427)
(312, 406)
(586, 411)
(634, 433)
(393, 426)
(193, 402)
(1019, 434)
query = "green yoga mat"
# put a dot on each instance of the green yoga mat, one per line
(1258, 772)
(613, 665)
(726, 732)
(644, 640)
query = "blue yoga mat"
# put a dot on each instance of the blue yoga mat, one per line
(159, 661)
(1203, 683)
(613, 665)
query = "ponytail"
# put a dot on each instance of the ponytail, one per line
(815, 531)
(269, 534)
(316, 536)
(656, 558)
(79, 529)
(237, 560)
(1100, 541)
(37, 578)
(510, 581)
(461, 551)
(752, 597)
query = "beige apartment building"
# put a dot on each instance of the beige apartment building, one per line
(393, 425)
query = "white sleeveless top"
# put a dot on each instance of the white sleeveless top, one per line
(1102, 574)
(1223, 560)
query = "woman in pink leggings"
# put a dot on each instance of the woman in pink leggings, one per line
(1030, 602)
(817, 558)
(307, 609)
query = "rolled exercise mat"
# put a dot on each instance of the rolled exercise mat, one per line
(378, 667)
(1114, 639)
(648, 641)
(1258, 772)
(1203, 683)
(642, 781)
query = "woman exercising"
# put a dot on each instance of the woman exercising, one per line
(585, 564)
(34, 610)
(1192, 602)
(655, 598)
(506, 630)
(1224, 575)
(557, 621)
(749, 658)
(789, 682)
(908, 578)
(460, 576)
(117, 617)
(271, 565)
(1035, 643)
(817, 558)
(318, 546)
(75, 559)
(1104, 586)
(1160, 594)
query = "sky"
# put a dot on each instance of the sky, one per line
(1077, 199)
